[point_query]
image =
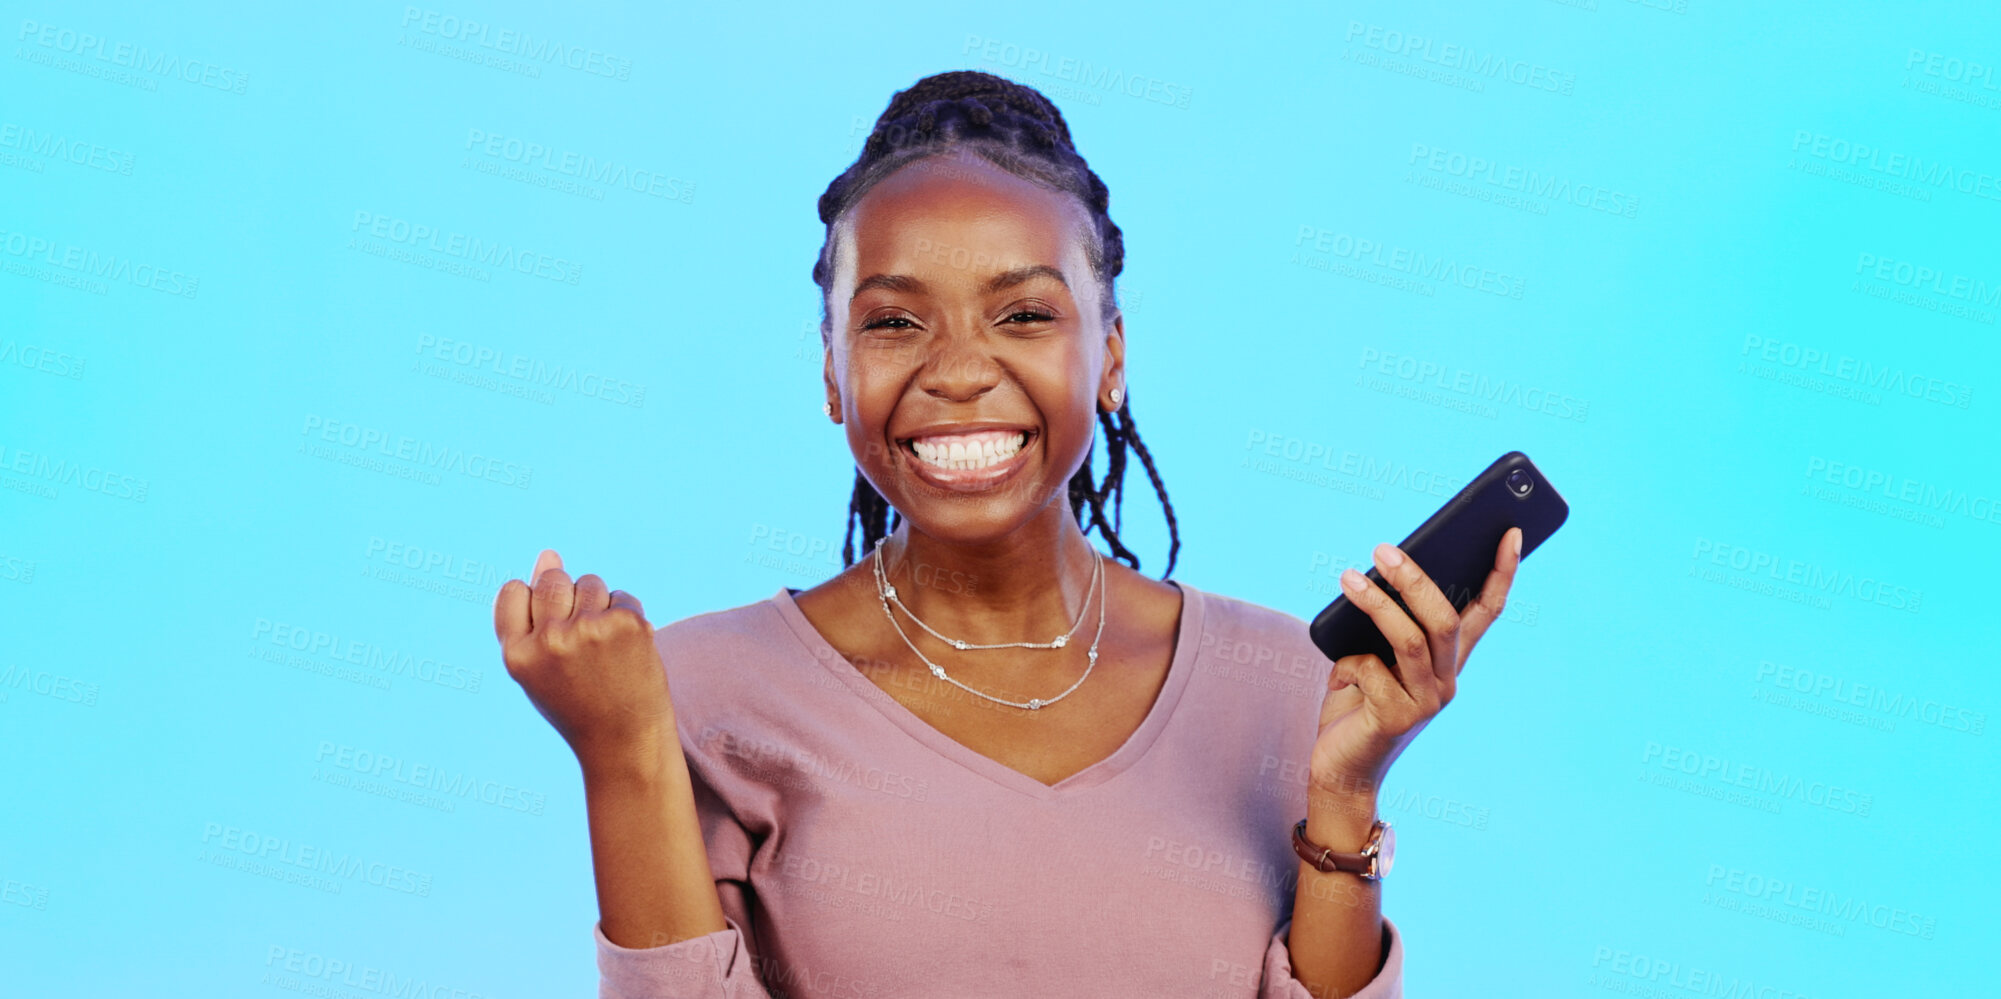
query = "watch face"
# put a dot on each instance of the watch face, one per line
(1386, 851)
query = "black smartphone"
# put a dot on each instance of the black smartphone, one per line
(1456, 548)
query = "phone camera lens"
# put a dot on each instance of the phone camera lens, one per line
(1521, 482)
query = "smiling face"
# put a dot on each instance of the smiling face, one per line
(967, 350)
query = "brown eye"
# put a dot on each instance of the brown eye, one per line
(883, 323)
(1030, 316)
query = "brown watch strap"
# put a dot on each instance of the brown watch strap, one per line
(1323, 859)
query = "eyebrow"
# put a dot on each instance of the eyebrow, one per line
(999, 282)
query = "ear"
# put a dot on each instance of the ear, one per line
(1115, 358)
(827, 377)
(827, 373)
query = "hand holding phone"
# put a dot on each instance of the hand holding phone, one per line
(1455, 547)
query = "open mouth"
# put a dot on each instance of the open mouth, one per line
(967, 452)
(973, 461)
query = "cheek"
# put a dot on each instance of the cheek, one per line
(873, 390)
(1070, 388)
(865, 441)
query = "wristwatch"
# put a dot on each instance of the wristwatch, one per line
(1371, 864)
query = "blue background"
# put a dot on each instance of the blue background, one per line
(1775, 431)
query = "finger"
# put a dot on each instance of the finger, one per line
(554, 597)
(1486, 609)
(510, 611)
(592, 595)
(620, 598)
(547, 560)
(1384, 696)
(1427, 603)
(1411, 647)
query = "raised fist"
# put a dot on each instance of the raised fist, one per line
(585, 657)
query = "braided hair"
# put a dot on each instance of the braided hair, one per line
(1017, 129)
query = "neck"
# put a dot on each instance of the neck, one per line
(1026, 587)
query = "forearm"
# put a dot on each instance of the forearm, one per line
(1337, 918)
(654, 884)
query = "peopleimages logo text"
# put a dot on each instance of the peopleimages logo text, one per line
(502, 256)
(520, 44)
(1024, 57)
(103, 266)
(1451, 55)
(424, 453)
(85, 45)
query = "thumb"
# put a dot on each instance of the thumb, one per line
(547, 560)
(1368, 672)
(1339, 678)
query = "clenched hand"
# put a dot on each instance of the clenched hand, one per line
(585, 657)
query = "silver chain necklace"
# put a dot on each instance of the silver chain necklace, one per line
(884, 589)
(886, 592)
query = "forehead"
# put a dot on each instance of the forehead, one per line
(959, 208)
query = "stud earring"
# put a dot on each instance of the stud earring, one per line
(827, 408)
(1117, 394)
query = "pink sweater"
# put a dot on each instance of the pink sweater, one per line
(861, 853)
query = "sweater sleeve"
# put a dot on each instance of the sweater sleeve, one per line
(1278, 982)
(717, 965)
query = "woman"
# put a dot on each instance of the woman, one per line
(983, 759)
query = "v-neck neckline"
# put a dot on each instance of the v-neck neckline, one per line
(1179, 667)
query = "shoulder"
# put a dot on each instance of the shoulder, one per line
(1241, 613)
(740, 635)
(739, 618)
(1225, 613)
(740, 669)
(746, 653)
(1260, 642)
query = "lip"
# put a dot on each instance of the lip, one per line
(961, 428)
(966, 480)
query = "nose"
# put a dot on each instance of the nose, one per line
(959, 368)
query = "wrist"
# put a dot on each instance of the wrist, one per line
(640, 761)
(1370, 861)
(1340, 821)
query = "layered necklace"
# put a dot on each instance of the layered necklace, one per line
(887, 595)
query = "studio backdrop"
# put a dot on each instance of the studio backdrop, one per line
(317, 324)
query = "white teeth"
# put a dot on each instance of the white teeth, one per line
(969, 451)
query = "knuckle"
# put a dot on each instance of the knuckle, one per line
(517, 661)
(561, 640)
(613, 624)
(1422, 694)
